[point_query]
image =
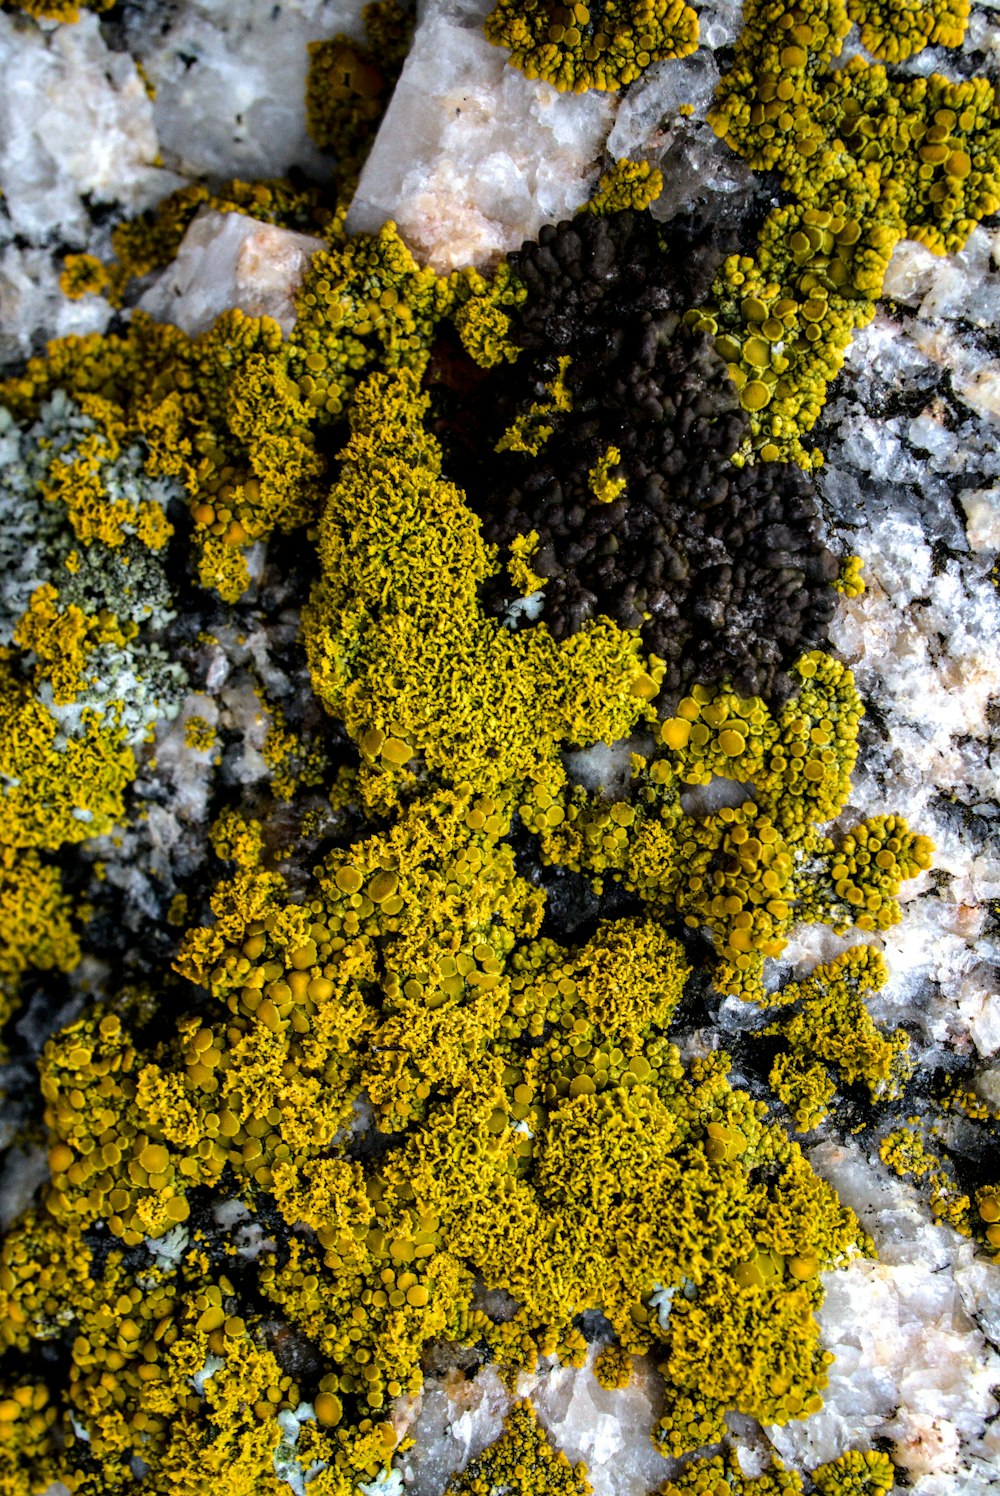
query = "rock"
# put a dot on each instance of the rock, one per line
(913, 1364)
(75, 122)
(230, 80)
(922, 641)
(472, 158)
(662, 119)
(77, 138)
(982, 518)
(454, 1420)
(229, 260)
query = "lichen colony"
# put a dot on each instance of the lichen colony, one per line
(425, 738)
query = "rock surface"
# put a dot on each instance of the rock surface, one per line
(229, 260)
(472, 158)
(230, 80)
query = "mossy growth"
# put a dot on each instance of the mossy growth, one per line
(576, 48)
(868, 160)
(522, 1462)
(831, 1027)
(746, 871)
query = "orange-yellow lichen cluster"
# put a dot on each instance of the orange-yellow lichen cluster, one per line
(855, 1473)
(390, 1066)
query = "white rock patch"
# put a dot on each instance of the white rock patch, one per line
(472, 158)
(229, 260)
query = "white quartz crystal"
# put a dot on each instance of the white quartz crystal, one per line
(230, 80)
(229, 260)
(913, 1364)
(75, 121)
(923, 641)
(32, 305)
(454, 1420)
(472, 158)
(76, 135)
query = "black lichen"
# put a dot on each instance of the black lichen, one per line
(722, 567)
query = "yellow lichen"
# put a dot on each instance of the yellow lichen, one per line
(627, 184)
(866, 1472)
(601, 479)
(36, 924)
(850, 582)
(575, 48)
(898, 29)
(832, 1027)
(434, 692)
(529, 432)
(746, 871)
(906, 1152)
(522, 1462)
(519, 569)
(867, 161)
(348, 85)
(198, 734)
(56, 790)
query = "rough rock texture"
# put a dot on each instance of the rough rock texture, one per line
(922, 640)
(77, 140)
(454, 1419)
(230, 80)
(228, 260)
(472, 158)
(912, 1337)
